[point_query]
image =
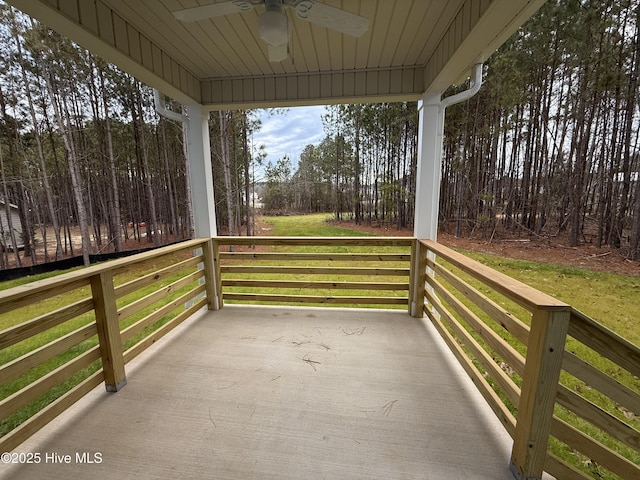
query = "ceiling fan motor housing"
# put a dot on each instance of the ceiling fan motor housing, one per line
(273, 26)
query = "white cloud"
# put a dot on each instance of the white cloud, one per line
(289, 132)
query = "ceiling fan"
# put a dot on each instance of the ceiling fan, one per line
(273, 24)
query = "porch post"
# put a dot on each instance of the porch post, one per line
(200, 176)
(430, 133)
(202, 199)
(425, 223)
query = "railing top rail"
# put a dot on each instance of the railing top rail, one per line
(10, 298)
(316, 241)
(523, 294)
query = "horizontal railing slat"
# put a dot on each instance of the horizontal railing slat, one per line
(562, 470)
(498, 314)
(13, 335)
(270, 297)
(26, 362)
(156, 315)
(594, 450)
(505, 383)
(497, 343)
(158, 295)
(607, 343)
(154, 276)
(501, 411)
(48, 413)
(315, 285)
(25, 295)
(326, 257)
(602, 382)
(32, 391)
(398, 272)
(598, 417)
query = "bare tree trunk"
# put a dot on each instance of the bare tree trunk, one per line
(144, 157)
(62, 117)
(114, 193)
(245, 157)
(7, 205)
(226, 167)
(43, 166)
(170, 179)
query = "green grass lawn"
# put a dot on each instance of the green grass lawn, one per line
(611, 299)
(57, 301)
(315, 225)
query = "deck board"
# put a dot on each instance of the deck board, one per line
(283, 393)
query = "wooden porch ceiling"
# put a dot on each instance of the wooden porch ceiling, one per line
(412, 46)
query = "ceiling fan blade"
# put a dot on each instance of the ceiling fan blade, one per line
(213, 10)
(279, 53)
(331, 17)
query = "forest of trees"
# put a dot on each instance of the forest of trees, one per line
(364, 169)
(549, 146)
(82, 154)
(87, 161)
(551, 142)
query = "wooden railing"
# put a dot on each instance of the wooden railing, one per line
(115, 311)
(335, 277)
(555, 378)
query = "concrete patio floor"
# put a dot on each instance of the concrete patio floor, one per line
(252, 392)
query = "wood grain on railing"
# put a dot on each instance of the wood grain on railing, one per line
(523, 294)
(325, 257)
(442, 318)
(479, 347)
(316, 284)
(487, 328)
(604, 341)
(31, 328)
(73, 338)
(623, 355)
(266, 274)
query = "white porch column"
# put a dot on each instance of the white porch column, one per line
(200, 176)
(430, 134)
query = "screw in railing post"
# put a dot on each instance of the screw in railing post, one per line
(412, 278)
(211, 279)
(215, 247)
(539, 387)
(104, 303)
(418, 277)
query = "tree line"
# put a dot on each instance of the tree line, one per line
(364, 168)
(87, 163)
(549, 146)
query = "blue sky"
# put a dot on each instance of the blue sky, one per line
(289, 132)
